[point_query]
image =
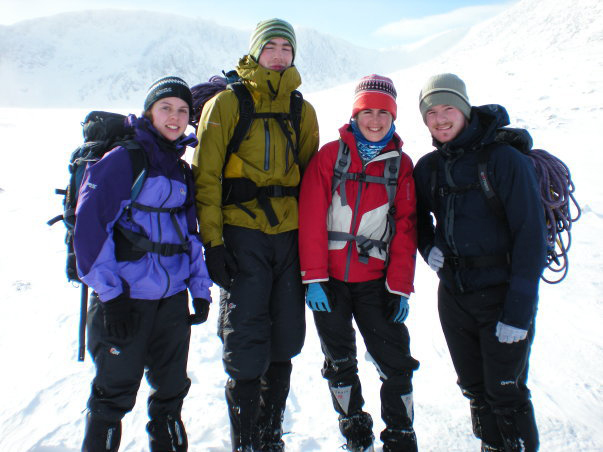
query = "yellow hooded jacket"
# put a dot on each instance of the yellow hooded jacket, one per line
(264, 156)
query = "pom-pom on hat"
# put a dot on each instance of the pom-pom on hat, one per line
(169, 86)
(444, 89)
(375, 91)
(268, 29)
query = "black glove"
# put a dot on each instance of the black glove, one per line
(121, 322)
(221, 266)
(201, 307)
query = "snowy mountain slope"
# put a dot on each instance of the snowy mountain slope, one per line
(107, 57)
(554, 90)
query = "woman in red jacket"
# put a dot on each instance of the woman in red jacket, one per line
(357, 240)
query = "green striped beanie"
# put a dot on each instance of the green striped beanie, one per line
(268, 29)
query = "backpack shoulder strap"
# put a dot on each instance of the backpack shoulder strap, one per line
(342, 165)
(140, 166)
(483, 157)
(390, 174)
(246, 110)
(432, 161)
(295, 111)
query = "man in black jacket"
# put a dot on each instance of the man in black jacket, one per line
(489, 263)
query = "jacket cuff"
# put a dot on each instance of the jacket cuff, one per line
(399, 289)
(310, 276)
(519, 310)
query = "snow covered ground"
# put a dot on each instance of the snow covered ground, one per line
(542, 59)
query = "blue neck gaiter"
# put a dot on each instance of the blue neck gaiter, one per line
(368, 150)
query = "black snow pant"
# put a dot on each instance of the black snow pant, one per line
(262, 326)
(388, 345)
(491, 374)
(160, 346)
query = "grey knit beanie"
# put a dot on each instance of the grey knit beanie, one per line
(444, 89)
(268, 29)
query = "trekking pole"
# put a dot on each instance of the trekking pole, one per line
(83, 314)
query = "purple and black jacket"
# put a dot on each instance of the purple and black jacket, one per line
(105, 193)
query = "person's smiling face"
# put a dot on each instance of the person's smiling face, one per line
(170, 117)
(445, 122)
(374, 123)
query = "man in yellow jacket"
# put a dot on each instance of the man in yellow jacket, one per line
(248, 215)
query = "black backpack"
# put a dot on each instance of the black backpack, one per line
(102, 132)
(556, 192)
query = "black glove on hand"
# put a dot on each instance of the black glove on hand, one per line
(221, 266)
(201, 307)
(119, 318)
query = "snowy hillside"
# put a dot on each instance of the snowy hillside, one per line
(541, 59)
(107, 57)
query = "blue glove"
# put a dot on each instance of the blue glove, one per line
(398, 309)
(508, 334)
(316, 298)
(435, 260)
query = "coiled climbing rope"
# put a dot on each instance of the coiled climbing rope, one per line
(557, 193)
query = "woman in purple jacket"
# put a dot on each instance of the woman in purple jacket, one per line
(140, 257)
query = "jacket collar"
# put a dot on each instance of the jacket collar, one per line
(160, 151)
(267, 83)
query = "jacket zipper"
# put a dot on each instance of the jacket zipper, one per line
(266, 146)
(450, 214)
(167, 274)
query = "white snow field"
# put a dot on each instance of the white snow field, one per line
(541, 59)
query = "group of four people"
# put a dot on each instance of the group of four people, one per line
(343, 238)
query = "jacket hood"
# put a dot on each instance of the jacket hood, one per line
(268, 83)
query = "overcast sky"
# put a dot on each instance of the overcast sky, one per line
(370, 23)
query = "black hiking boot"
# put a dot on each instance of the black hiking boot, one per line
(484, 423)
(358, 431)
(167, 434)
(101, 435)
(519, 430)
(243, 399)
(399, 440)
(274, 391)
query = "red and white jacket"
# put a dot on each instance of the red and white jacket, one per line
(320, 212)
